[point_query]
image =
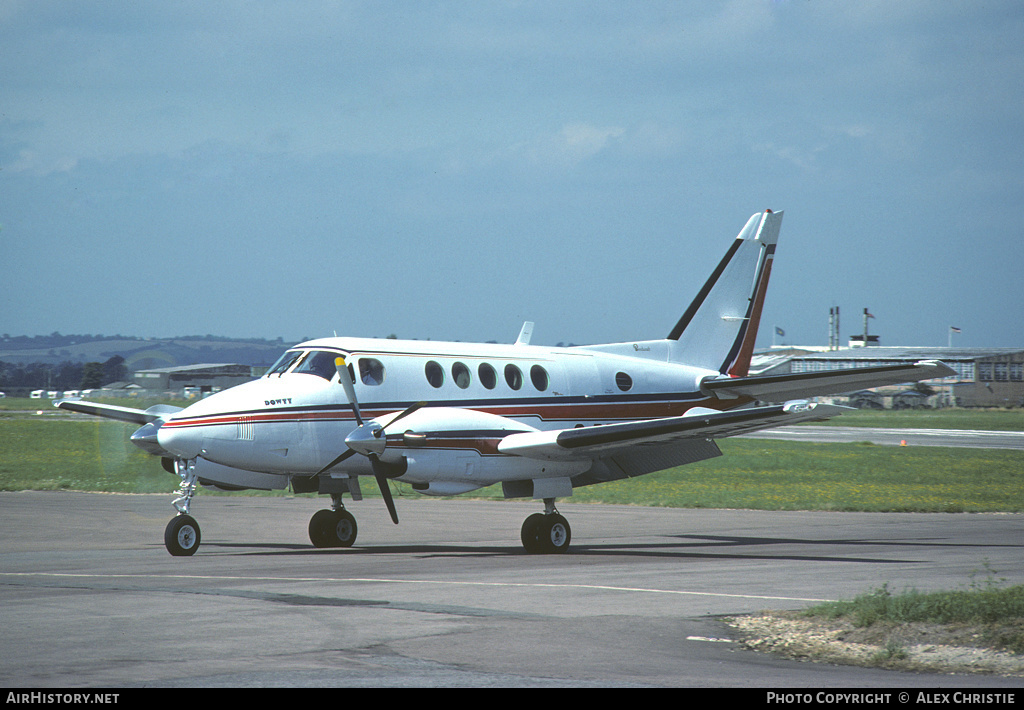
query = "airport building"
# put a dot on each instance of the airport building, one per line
(985, 377)
(192, 380)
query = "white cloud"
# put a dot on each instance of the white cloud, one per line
(574, 143)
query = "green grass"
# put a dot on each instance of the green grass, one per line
(854, 477)
(88, 455)
(996, 613)
(775, 475)
(981, 419)
(964, 606)
(96, 454)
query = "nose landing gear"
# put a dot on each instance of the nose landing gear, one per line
(182, 535)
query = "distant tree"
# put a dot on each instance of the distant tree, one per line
(92, 375)
(67, 376)
(114, 370)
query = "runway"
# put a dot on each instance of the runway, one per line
(448, 598)
(887, 436)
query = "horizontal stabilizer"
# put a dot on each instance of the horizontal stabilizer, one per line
(782, 388)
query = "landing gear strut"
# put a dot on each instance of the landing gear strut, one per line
(547, 532)
(182, 535)
(333, 528)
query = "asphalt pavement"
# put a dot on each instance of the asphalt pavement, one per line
(90, 598)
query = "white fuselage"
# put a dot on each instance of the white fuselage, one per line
(294, 420)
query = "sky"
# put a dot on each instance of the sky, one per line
(448, 170)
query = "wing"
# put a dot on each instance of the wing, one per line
(124, 414)
(781, 388)
(679, 433)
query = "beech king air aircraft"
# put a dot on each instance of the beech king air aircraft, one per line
(449, 418)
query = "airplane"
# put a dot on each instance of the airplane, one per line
(450, 418)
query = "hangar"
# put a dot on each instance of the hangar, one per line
(985, 377)
(193, 379)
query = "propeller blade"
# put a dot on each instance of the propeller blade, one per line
(380, 473)
(350, 391)
(407, 412)
(335, 462)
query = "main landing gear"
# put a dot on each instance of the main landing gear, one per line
(547, 532)
(333, 528)
(181, 536)
(542, 533)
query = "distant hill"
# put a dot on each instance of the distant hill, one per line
(139, 353)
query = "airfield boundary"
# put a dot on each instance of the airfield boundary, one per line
(46, 452)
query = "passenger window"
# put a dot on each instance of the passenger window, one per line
(513, 376)
(461, 375)
(488, 377)
(623, 381)
(371, 371)
(435, 374)
(539, 377)
(319, 363)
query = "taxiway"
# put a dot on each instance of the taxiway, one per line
(89, 596)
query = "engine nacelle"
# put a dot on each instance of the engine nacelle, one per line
(226, 478)
(459, 447)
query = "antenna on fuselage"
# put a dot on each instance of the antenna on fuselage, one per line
(525, 334)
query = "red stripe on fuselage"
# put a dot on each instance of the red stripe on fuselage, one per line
(575, 412)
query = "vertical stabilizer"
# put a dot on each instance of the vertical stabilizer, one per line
(718, 330)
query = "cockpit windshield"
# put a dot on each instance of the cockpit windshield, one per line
(309, 362)
(320, 363)
(284, 362)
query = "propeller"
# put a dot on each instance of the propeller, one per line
(368, 439)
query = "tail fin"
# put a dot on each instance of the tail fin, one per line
(718, 330)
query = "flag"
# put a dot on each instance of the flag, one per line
(779, 331)
(869, 315)
(954, 329)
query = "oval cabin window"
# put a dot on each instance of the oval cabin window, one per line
(623, 381)
(539, 377)
(513, 376)
(435, 374)
(488, 377)
(460, 373)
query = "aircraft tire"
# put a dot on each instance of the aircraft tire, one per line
(332, 528)
(546, 534)
(181, 536)
(530, 534)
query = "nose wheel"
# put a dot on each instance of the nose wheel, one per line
(181, 536)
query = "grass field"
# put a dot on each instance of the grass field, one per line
(96, 455)
(980, 419)
(993, 613)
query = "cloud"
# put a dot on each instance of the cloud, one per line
(573, 144)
